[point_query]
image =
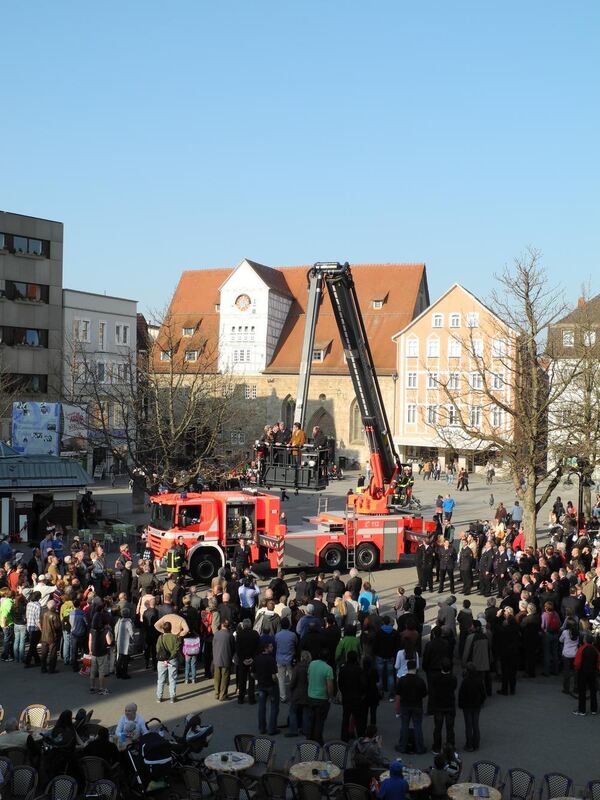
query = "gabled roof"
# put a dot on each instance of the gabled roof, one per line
(36, 472)
(197, 294)
(431, 308)
(587, 311)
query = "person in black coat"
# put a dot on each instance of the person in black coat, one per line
(435, 654)
(500, 568)
(447, 558)
(443, 705)
(247, 647)
(354, 584)
(509, 643)
(425, 557)
(486, 570)
(353, 687)
(465, 567)
(471, 697)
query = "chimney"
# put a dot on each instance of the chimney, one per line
(581, 302)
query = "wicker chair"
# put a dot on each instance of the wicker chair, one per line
(555, 784)
(354, 791)
(520, 784)
(277, 787)
(93, 769)
(105, 789)
(62, 787)
(308, 790)
(16, 755)
(263, 752)
(243, 742)
(339, 753)
(486, 772)
(5, 768)
(35, 715)
(305, 751)
(593, 790)
(196, 784)
(23, 783)
(232, 788)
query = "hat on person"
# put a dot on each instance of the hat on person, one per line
(396, 767)
(42, 578)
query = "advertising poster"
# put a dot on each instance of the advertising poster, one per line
(74, 422)
(35, 428)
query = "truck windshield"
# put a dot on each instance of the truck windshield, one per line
(162, 516)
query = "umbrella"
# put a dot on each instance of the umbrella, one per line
(178, 625)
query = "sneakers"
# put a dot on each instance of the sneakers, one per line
(579, 713)
(104, 692)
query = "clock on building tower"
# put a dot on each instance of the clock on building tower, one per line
(242, 302)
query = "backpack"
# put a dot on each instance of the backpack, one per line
(266, 625)
(554, 622)
(365, 603)
(205, 622)
(191, 646)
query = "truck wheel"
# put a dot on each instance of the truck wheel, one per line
(204, 567)
(333, 557)
(366, 557)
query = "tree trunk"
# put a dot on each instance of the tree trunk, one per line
(530, 514)
(587, 501)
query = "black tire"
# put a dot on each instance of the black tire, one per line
(333, 557)
(367, 557)
(204, 566)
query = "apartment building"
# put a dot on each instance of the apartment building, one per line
(458, 343)
(100, 341)
(31, 274)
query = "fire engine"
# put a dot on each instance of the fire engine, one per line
(370, 531)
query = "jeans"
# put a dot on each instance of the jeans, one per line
(272, 695)
(385, 674)
(471, 716)
(296, 717)
(78, 644)
(67, 647)
(245, 680)
(439, 717)
(49, 654)
(587, 681)
(9, 635)
(190, 668)
(167, 670)
(568, 670)
(406, 715)
(550, 642)
(19, 646)
(284, 674)
(357, 712)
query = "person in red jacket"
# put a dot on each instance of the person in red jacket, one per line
(519, 541)
(587, 665)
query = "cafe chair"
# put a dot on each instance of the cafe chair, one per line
(5, 768)
(354, 791)
(243, 742)
(232, 788)
(35, 715)
(339, 753)
(309, 790)
(555, 784)
(486, 772)
(62, 787)
(23, 783)
(262, 751)
(521, 784)
(16, 755)
(196, 784)
(104, 789)
(93, 769)
(593, 790)
(276, 786)
(305, 751)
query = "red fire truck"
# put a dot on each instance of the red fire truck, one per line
(371, 530)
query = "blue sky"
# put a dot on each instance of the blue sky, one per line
(170, 136)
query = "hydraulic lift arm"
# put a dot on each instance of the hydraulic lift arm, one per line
(344, 301)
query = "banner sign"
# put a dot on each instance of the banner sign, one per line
(35, 428)
(74, 422)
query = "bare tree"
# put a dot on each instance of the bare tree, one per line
(504, 408)
(159, 411)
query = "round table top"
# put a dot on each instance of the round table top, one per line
(460, 791)
(417, 779)
(235, 761)
(303, 771)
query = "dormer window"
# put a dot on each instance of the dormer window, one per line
(379, 302)
(318, 355)
(187, 331)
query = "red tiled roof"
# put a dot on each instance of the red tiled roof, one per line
(197, 294)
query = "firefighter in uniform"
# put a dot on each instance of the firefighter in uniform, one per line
(406, 482)
(175, 558)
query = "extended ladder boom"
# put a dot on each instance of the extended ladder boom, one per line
(344, 301)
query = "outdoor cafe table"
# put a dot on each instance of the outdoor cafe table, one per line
(460, 791)
(228, 761)
(311, 771)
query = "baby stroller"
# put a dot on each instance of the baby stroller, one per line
(150, 761)
(188, 748)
